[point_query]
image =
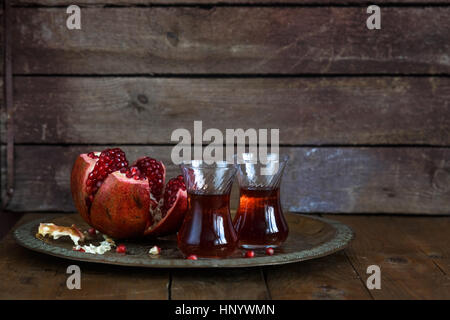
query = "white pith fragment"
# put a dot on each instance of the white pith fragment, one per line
(155, 250)
(57, 231)
(156, 212)
(103, 247)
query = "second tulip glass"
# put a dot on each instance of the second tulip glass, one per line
(207, 229)
(259, 221)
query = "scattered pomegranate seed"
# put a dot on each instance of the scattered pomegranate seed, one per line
(155, 250)
(249, 254)
(121, 248)
(92, 231)
(270, 251)
(192, 257)
(80, 249)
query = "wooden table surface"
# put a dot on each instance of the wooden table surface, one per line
(412, 252)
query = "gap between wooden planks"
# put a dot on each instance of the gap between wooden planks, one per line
(411, 252)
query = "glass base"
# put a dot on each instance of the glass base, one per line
(258, 246)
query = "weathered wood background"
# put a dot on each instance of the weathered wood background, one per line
(364, 115)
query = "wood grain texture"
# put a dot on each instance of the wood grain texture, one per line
(220, 2)
(2, 90)
(334, 179)
(406, 272)
(328, 278)
(2, 44)
(29, 275)
(218, 284)
(431, 237)
(232, 40)
(360, 110)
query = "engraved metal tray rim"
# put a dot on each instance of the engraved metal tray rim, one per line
(25, 236)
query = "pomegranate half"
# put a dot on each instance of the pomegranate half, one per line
(125, 201)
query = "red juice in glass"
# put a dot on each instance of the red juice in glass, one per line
(259, 221)
(207, 230)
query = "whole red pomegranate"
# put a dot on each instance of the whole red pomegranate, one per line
(125, 201)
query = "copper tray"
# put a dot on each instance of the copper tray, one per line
(309, 238)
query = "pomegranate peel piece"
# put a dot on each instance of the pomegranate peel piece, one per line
(80, 171)
(171, 221)
(121, 207)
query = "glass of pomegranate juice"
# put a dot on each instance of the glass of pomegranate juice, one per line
(259, 220)
(207, 230)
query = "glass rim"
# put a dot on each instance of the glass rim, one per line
(271, 158)
(202, 164)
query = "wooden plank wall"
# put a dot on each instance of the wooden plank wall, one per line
(364, 115)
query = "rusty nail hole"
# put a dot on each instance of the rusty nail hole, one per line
(142, 98)
(172, 37)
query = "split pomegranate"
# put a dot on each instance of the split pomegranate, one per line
(126, 201)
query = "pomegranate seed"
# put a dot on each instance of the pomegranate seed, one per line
(270, 251)
(153, 170)
(170, 194)
(110, 160)
(92, 231)
(192, 257)
(121, 248)
(249, 254)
